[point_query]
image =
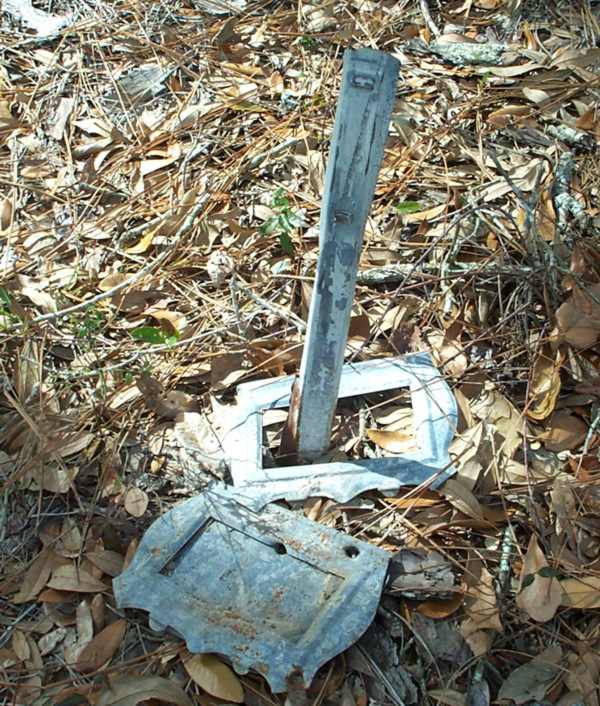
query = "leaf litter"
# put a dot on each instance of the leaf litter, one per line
(161, 178)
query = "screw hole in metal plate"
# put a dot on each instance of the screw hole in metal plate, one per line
(351, 552)
(279, 547)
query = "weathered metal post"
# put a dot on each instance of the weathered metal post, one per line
(361, 128)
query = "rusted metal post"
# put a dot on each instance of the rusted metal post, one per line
(361, 128)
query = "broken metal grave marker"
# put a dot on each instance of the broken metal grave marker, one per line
(271, 590)
(435, 416)
(234, 575)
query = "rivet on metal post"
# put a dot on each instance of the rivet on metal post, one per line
(361, 128)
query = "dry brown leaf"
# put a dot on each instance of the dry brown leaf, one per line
(215, 677)
(542, 597)
(135, 501)
(441, 609)
(165, 404)
(102, 648)
(491, 406)
(531, 681)
(397, 442)
(461, 498)
(510, 113)
(20, 646)
(581, 592)
(482, 607)
(448, 354)
(582, 674)
(55, 478)
(136, 688)
(564, 432)
(70, 578)
(227, 369)
(36, 576)
(110, 562)
(578, 318)
(544, 387)
(112, 280)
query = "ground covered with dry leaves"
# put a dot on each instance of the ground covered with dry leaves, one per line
(161, 175)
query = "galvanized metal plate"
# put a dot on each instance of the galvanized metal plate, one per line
(271, 590)
(434, 420)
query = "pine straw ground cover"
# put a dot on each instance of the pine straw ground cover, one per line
(162, 168)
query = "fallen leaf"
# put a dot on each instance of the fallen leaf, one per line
(215, 677)
(531, 681)
(36, 576)
(397, 442)
(136, 502)
(544, 387)
(165, 404)
(102, 648)
(581, 592)
(578, 319)
(509, 114)
(491, 406)
(461, 498)
(135, 688)
(110, 562)
(539, 596)
(449, 697)
(564, 432)
(227, 369)
(481, 607)
(70, 578)
(441, 609)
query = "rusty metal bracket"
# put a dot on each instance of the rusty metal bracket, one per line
(434, 421)
(272, 591)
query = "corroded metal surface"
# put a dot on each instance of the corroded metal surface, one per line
(361, 128)
(434, 421)
(271, 590)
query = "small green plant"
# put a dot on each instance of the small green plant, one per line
(155, 335)
(408, 207)
(308, 43)
(7, 318)
(283, 222)
(88, 326)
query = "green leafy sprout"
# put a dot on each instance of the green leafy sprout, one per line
(283, 222)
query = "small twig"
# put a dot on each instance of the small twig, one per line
(429, 19)
(275, 308)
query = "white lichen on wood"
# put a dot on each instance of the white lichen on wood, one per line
(467, 53)
(571, 136)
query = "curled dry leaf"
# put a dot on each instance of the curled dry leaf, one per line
(397, 442)
(215, 677)
(135, 688)
(545, 385)
(539, 596)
